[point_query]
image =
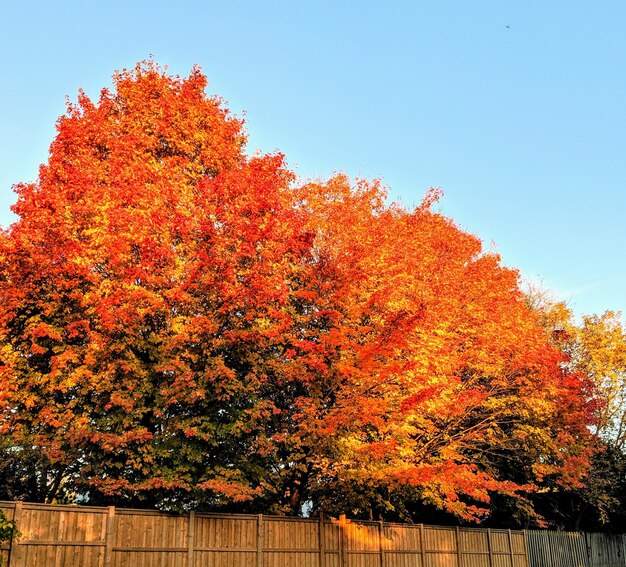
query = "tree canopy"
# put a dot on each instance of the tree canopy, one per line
(184, 325)
(596, 348)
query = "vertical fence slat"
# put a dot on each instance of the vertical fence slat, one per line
(381, 533)
(342, 541)
(191, 534)
(259, 540)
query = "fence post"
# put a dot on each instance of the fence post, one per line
(342, 542)
(381, 530)
(422, 548)
(13, 543)
(526, 548)
(489, 547)
(191, 534)
(108, 538)
(322, 541)
(511, 548)
(457, 540)
(259, 541)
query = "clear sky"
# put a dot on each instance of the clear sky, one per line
(517, 110)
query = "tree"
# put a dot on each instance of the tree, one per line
(442, 370)
(595, 347)
(182, 325)
(141, 288)
(601, 352)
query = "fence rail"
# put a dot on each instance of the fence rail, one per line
(77, 536)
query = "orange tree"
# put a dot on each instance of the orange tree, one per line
(441, 385)
(139, 291)
(183, 325)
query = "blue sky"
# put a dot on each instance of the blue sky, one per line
(517, 110)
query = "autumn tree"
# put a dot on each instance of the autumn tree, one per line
(596, 347)
(141, 288)
(441, 371)
(183, 325)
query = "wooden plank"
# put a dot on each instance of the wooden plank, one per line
(381, 533)
(343, 560)
(259, 545)
(191, 533)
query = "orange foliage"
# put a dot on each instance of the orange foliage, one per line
(443, 370)
(179, 319)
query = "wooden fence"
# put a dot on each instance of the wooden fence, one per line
(575, 549)
(72, 536)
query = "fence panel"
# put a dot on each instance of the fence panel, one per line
(605, 550)
(440, 547)
(144, 539)
(402, 545)
(575, 549)
(361, 543)
(226, 540)
(58, 536)
(332, 548)
(290, 542)
(474, 548)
